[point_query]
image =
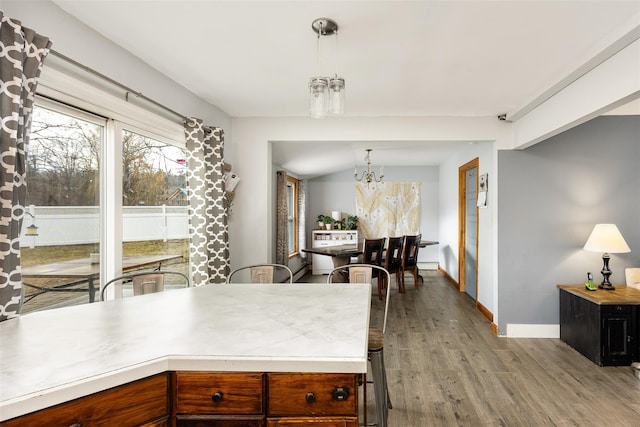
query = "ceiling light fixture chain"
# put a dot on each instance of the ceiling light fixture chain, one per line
(368, 176)
(326, 93)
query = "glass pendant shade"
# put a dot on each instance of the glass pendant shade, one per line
(336, 95)
(319, 97)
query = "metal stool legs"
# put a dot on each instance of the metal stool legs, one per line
(381, 393)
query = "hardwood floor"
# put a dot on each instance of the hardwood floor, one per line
(446, 368)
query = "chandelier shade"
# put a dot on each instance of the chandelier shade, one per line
(326, 94)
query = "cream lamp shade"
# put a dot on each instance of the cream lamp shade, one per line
(606, 238)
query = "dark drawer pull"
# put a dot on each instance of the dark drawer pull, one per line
(340, 393)
(75, 425)
(310, 397)
(217, 396)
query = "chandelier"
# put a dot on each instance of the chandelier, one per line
(368, 176)
(326, 93)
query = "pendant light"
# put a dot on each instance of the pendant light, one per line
(326, 93)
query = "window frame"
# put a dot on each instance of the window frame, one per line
(99, 111)
(294, 185)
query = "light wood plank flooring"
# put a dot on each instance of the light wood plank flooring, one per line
(446, 368)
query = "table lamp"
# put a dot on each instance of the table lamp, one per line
(606, 238)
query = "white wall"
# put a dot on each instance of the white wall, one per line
(336, 192)
(251, 225)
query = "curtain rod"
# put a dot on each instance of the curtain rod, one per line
(127, 89)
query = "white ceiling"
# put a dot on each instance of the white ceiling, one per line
(399, 58)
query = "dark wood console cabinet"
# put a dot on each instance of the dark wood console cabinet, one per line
(602, 325)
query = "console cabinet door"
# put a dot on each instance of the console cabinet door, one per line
(618, 333)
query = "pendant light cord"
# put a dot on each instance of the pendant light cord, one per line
(336, 53)
(318, 47)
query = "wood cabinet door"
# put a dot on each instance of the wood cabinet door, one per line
(134, 404)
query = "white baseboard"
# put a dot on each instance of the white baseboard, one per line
(515, 330)
(428, 265)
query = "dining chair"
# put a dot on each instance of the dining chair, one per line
(145, 282)
(262, 273)
(363, 273)
(393, 259)
(410, 258)
(372, 253)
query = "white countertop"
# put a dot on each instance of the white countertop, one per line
(53, 356)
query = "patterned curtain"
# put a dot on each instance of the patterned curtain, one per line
(282, 223)
(388, 209)
(208, 229)
(22, 53)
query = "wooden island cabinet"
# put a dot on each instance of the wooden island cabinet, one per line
(140, 403)
(239, 355)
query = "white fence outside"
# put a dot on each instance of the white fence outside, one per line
(76, 225)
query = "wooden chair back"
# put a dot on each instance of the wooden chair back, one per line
(372, 251)
(393, 257)
(262, 273)
(146, 282)
(410, 251)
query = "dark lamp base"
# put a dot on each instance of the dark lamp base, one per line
(606, 273)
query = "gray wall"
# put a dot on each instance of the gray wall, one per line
(336, 192)
(550, 197)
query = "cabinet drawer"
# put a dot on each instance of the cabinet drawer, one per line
(220, 421)
(312, 394)
(219, 393)
(142, 402)
(314, 422)
(612, 310)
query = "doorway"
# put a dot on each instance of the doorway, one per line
(468, 226)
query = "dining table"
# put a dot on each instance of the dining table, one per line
(342, 254)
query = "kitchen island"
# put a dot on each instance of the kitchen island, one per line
(277, 335)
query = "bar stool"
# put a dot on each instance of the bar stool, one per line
(362, 273)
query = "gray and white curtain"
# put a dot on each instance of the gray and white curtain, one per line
(282, 220)
(208, 229)
(22, 53)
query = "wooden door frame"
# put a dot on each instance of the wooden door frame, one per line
(462, 213)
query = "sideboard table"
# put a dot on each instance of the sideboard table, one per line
(602, 325)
